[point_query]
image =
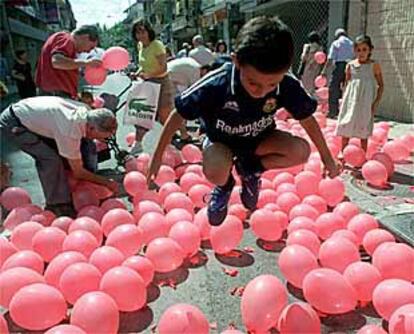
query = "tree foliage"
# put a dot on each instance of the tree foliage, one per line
(118, 35)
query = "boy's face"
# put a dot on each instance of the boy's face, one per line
(256, 83)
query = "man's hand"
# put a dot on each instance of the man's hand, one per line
(93, 63)
(144, 76)
(333, 168)
(113, 186)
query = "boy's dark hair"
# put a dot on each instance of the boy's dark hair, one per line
(314, 37)
(146, 25)
(265, 43)
(363, 39)
(19, 53)
(86, 94)
(90, 30)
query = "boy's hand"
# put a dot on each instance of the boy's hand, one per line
(153, 169)
(333, 168)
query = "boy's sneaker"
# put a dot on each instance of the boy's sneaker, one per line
(249, 193)
(217, 206)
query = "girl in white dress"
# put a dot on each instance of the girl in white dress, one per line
(362, 94)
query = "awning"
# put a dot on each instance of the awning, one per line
(23, 29)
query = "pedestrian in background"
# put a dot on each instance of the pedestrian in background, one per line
(220, 49)
(309, 69)
(184, 51)
(362, 94)
(200, 52)
(340, 52)
(22, 73)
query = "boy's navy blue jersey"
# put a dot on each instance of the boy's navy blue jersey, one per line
(230, 115)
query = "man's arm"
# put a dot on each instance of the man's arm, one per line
(61, 62)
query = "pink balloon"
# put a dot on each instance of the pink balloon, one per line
(44, 218)
(266, 196)
(394, 260)
(306, 239)
(165, 253)
(295, 262)
(16, 217)
(23, 234)
(347, 235)
(48, 242)
(240, 211)
(191, 153)
(63, 223)
(347, 210)
(375, 173)
(37, 307)
(354, 155)
(327, 223)
(115, 58)
(25, 258)
(287, 201)
(299, 317)
(12, 280)
(262, 302)
(169, 159)
(105, 258)
(322, 93)
(391, 294)
(153, 225)
(188, 180)
(183, 318)
(386, 160)
(114, 218)
(201, 221)
(231, 331)
(337, 253)
(78, 279)
(80, 241)
(178, 200)
(135, 183)
(396, 150)
(113, 203)
(408, 141)
(3, 325)
(364, 277)
(320, 81)
(89, 225)
(227, 236)
(300, 223)
(143, 207)
(197, 194)
(376, 237)
(143, 266)
(98, 102)
(126, 287)
(177, 215)
(6, 250)
(402, 320)
(14, 197)
(58, 265)
(92, 212)
(306, 183)
(65, 329)
(320, 57)
(95, 76)
(281, 178)
(187, 235)
(130, 138)
(165, 174)
(168, 188)
(304, 210)
(96, 312)
(360, 224)
(318, 288)
(268, 225)
(332, 190)
(84, 196)
(318, 202)
(371, 329)
(127, 238)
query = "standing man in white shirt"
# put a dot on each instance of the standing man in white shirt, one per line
(200, 53)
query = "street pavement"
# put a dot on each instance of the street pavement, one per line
(206, 284)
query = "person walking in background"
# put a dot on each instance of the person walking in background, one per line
(309, 69)
(221, 48)
(340, 52)
(152, 61)
(201, 53)
(57, 71)
(22, 73)
(362, 94)
(184, 51)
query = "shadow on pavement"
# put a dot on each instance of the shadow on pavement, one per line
(153, 293)
(243, 259)
(135, 322)
(271, 246)
(345, 322)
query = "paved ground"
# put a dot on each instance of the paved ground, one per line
(207, 286)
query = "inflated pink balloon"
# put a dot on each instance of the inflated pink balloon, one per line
(37, 307)
(14, 197)
(347, 210)
(386, 160)
(16, 217)
(375, 173)
(283, 177)
(114, 218)
(44, 218)
(130, 138)
(126, 287)
(178, 200)
(320, 57)
(371, 329)
(332, 190)
(394, 260)
(391, 294)
(318, 287)
(306, 183)
(268, 225)
(295, 262)
(96, 312)
(89, 225)
(282, 114)
(6, 250)
(198, 193)
(304, 210)
(131, 165)
(23, 234)
(262, 302)
(322, 93)
(80, 241)
(187, 236)
(113, 203)
(201, 221)
(299, 317)
(231, 331)
(127, 238)
(354, 155)
(347, 234)
(98, 102)
(165, 174)
(65, 329)
(12, 280)
(364, 277)
(135, 183)
(396, 150)
(145, 206)
(190, 179)
(327, 223)
(287, 201)
(91, 211)
(266, 196)
(105, 258)
(183, 318)
(78, 279)
(63, 223)
(320, 81)
(376, 237)
(115, 58)
(337, 253)
(408, 141)
(360, 224)
(84, 196)
(153, 225)
(306, 239)
(240, 211)
(165, 253)
(318, 202)
(168, 188)
(95, 76)
(168, 158)
(227, 236)
(25, 258)
(402, 320)
(48, 242)
(191, 153)
(143, 266)
(300, 223)
(58, 265)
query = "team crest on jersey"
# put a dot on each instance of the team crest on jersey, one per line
(270, 105)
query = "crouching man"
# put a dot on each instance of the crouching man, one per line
(50, 130)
